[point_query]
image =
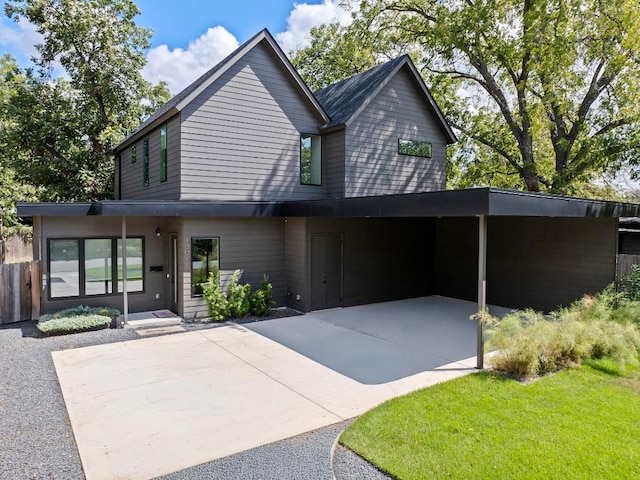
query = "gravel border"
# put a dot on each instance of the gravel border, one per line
(36, 439)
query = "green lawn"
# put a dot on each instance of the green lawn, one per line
(576, 424)
(134, 272)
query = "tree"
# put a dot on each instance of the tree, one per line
(66, 128)
(549, 87)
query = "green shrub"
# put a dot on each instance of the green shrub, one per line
(73, 324)
(239, 296)
(262, 299)
(630, 283)
(81, 310)
(217, 303)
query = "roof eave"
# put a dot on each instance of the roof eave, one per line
(136, 136)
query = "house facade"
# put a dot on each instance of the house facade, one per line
(338, 196)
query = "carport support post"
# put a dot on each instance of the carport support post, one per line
(482, 286)
(125, 296)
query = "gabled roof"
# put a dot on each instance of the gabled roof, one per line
(182, 99)
(344, 100)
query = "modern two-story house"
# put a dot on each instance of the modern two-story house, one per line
(338, 196)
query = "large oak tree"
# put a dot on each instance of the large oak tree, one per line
(546, 90)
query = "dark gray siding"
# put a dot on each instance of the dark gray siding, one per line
(552, 262)
(131, 177)
(241, 135)
(255, 245)
(296, 261)
(333, 164)
(531, 262)
(154, 255)
(383, 259)
(373, 165)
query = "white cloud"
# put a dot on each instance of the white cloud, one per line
(20, 38)
(304, 17)
(179, 67)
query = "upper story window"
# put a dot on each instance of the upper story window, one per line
(145, 161)
(133, 153)
(163, 153)
(414, 148)
(311, 160)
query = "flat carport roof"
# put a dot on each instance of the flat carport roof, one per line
(446, 203)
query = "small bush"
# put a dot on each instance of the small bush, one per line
(262, 299)
(73, 324)
(80, 310)
(239, 296)
(630, 283)
(217, 303)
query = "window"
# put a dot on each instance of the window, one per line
(204, 260)
(87, 267)
(163, 153)
(310, 159)
(133, 153)
(98, 267)
(64, 268)
(145, 161)
(135, 265)
(414, 148)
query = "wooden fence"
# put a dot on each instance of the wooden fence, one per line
(624, 264)
(19, 292)
(15, 250)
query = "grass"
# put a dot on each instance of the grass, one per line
(134, 272)
(578, 423)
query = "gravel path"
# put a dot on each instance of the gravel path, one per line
(36, 439)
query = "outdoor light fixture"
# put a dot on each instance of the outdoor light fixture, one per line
(158, 232)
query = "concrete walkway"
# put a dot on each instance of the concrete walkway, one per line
(145, 408)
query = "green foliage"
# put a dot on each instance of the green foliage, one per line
(630, 283)
(239, 296)
(217, 303)
(262, 299)
(76, 319)
(527, 343)
(57, 133)
(80, 311)
(544, 94)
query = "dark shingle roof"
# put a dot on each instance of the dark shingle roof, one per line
(343, 99)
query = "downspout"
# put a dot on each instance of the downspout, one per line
(482, 287)
(125, 294)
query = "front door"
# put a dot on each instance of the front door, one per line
(173, 274)
(326, 271)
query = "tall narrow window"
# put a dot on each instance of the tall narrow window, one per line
(97, 266)
(64, 268)
(133, 153)
(163, 153)
(145, 161)
(204, 260)
(311, 159)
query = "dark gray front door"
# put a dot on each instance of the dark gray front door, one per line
(326, 271)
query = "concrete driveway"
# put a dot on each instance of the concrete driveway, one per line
(149, 407)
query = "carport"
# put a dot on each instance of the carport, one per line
(505, 247)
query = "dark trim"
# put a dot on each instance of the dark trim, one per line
(81, 267)
(444, 203)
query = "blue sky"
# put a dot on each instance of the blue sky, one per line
(192, 38)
